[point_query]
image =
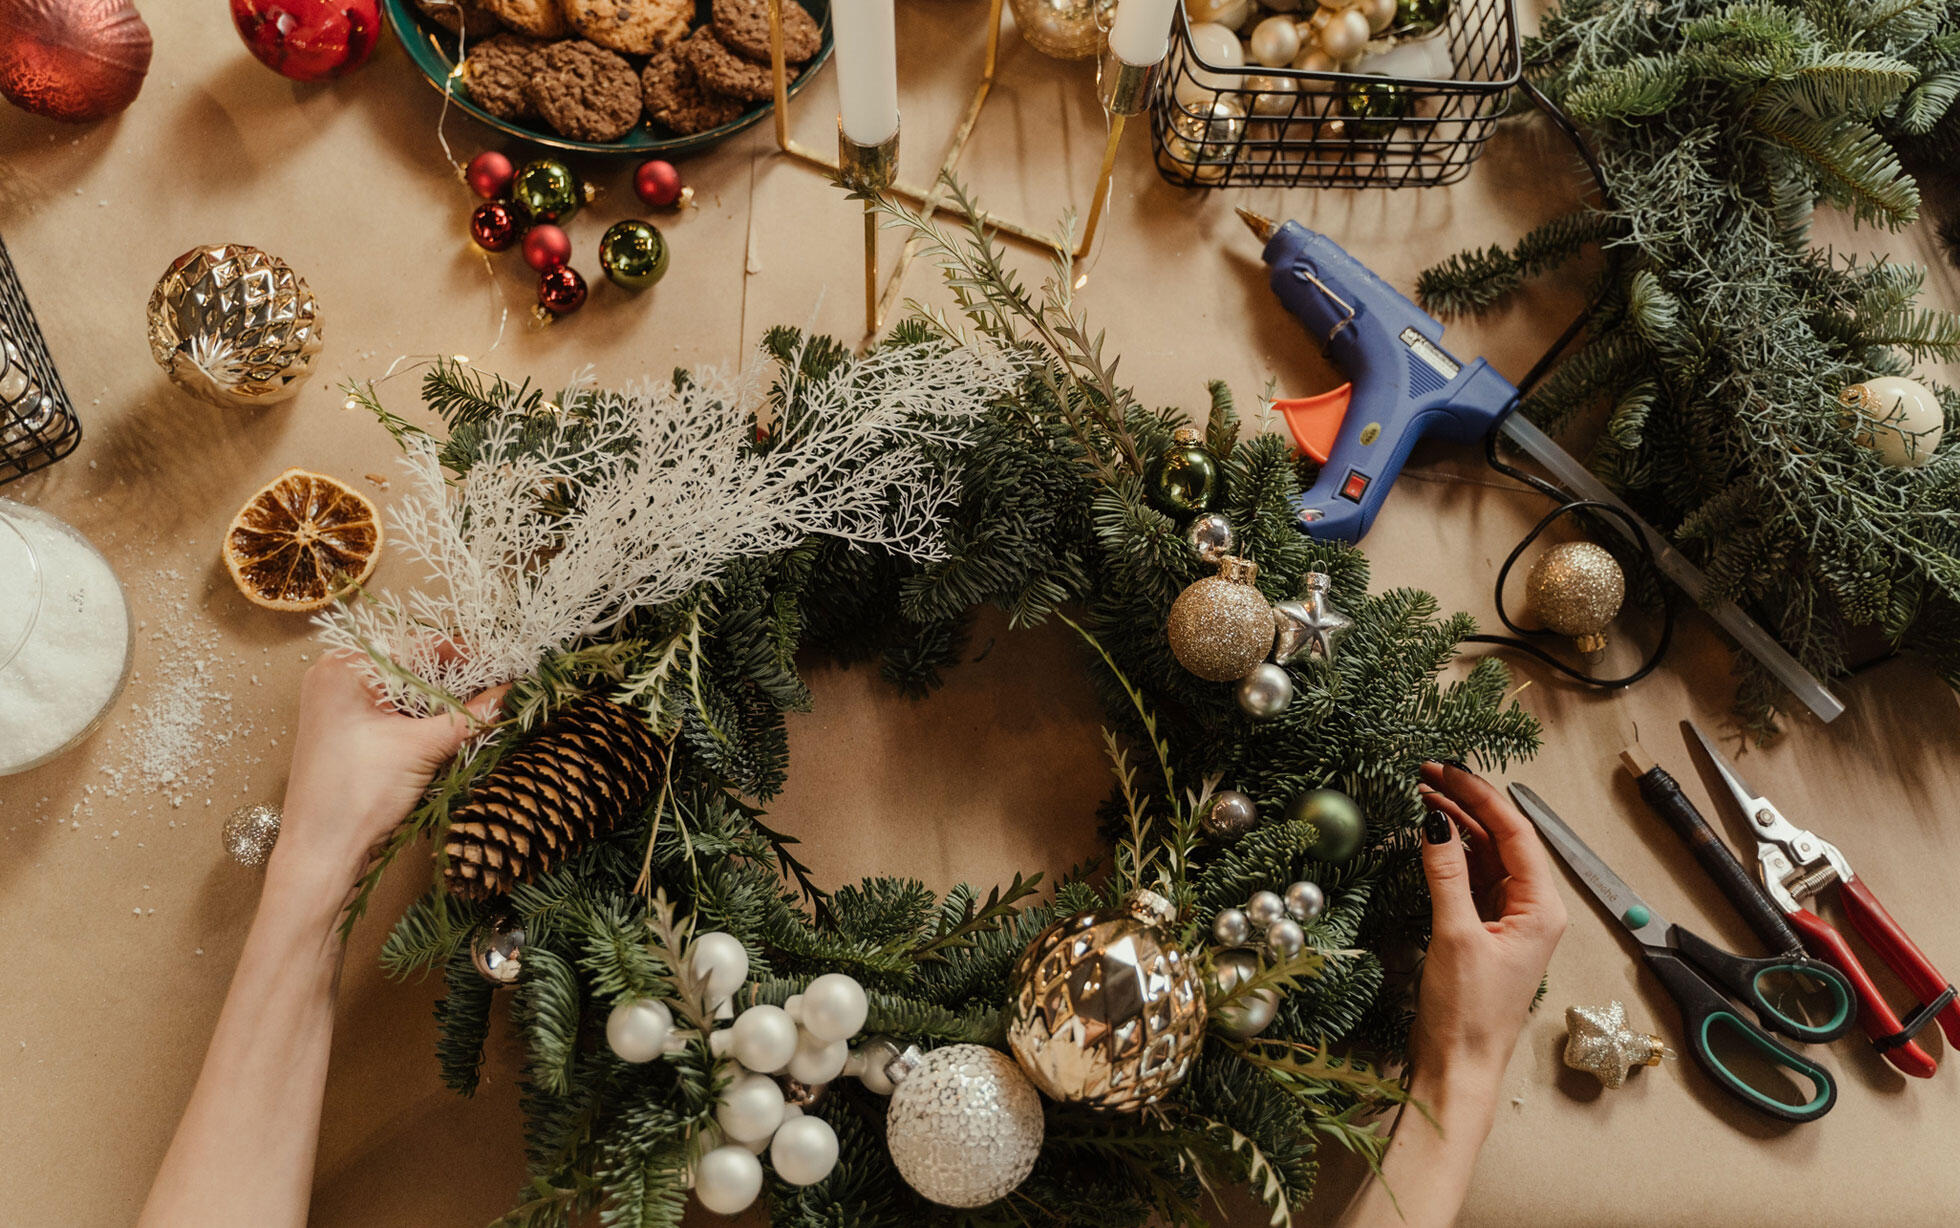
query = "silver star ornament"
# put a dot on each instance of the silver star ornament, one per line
(1309, 626)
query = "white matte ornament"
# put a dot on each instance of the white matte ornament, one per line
(1904, 419)
(818, 1060)
(804, 1151)
(834, 1007)
(1276, 40)
(727, 1180)
(764, 1038)
(1214, 45)
(751, 1108)
(965, 1126)
(637, 1030)
(722, 962)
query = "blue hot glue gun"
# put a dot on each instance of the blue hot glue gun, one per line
(1402, 385)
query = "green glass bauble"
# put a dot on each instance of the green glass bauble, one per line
(1375, 109)
(1420, 16)
(547, 190)
(1336, 820)
(1183, 481)
(633, 254)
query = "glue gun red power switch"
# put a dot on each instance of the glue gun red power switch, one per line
(1402, 384)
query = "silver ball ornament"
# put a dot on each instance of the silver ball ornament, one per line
(1250, 1013)
(804, 1150)
(1285, 938)
(1265, 692)
(1211, 537)
(834, 1007)
(722, 962)
(728, 1179)
(637, 1029)
(497, 948)
(1230, 815)
(764, 1038)
(250, 833)
(1231, 927)
(1265, 908)
(1305, 901)
(750, 1108)
(965, 1126)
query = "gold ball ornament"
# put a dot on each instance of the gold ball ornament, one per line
(1220, 626)
(1107, 1010)
(1065, 29)
(1599, 1042)
(1575, 589)
(1380, 14)
(1228, 13)
(1342, 33)
(234, 326)
(1898, 418)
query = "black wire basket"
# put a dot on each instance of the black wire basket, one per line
(37, 421)
(1224, 127)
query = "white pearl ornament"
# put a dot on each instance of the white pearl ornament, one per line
(817, 1060)
(1276, 40)
(727, 1180)
(1219, 47)
(804, 1151)
(764, 1038)
(637, 1030)
(834, 1007)
(751, 1108)
(1905, 419)
(722, 962)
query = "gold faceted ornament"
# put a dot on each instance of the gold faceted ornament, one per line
(234, 326)
(1065, 29)
(1107, 1010)
(1575, 589)
(1221, 626)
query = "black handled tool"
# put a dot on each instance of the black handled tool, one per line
(1661, 792)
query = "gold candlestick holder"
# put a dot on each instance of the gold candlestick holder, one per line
(869, 171)
(1124, 89)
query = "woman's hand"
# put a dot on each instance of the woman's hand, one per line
(358, 769)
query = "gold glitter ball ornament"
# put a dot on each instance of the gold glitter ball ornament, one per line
(1221, 626)
(234, 326)
(1575, 589)
(964, 1126)
(1599, 1042)
(1107, 1010)
(250, 833)
(1065, 29)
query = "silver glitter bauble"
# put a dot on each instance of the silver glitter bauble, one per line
(497, 948)
(1265, 692)
(1310, 626)
(964, 1126)
(1065, 29)
(233, 325)
(1575, 589)
(1211, 537)
(1106, 1010)
(1220, 626)
(1230, 815)
(1265, 907)
(250, 833)
(1285, 938)
(1599, 1042)
(1204, 139)
(1250, 1013)
(1305, 901)
(1231, 927)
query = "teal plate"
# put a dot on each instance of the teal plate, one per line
(434, 51)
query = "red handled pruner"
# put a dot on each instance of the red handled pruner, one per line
(1795, 864)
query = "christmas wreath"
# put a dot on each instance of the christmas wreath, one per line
(649, 566)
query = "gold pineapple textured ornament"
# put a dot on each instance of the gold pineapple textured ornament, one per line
(1107, 1010)
(1575, 589)
(1221, 626)
(233, 325)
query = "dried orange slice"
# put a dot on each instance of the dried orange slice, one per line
(301, 541)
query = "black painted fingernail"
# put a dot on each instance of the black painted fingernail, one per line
(1458, 764)
(1436, 828)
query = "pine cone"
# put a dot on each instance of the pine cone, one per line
(569, 784)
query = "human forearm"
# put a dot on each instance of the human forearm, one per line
(244, 1152)
(1426, 1172)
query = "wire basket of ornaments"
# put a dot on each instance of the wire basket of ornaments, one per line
(1343, 94)
(37, 421)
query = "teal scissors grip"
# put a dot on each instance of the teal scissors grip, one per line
(1743, 979)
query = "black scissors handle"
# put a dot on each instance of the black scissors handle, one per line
(1743, 979)
(1705, 1011)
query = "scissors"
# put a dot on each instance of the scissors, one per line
(1796, 863)
(1702, 978)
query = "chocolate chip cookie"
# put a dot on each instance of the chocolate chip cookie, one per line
(673, 97)
(721, 70)
(466, 17)
(537, 18)
(498, 73)
(585, 92)
(743, 27)
(635, 27)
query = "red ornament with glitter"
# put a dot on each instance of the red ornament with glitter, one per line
(658, 183)
(561, 291)
(309, 40)
(495, 225)
(72, 60)
(546, 247)
(489, 174)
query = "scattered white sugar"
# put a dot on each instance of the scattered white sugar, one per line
(136, 911)
(73, 660)
(195, 951)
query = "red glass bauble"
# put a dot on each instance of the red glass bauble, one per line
(309, 40)
(495, 225)
(72, 60)
(561, 291)
(658, 183)
(489, 174)
(546, 247)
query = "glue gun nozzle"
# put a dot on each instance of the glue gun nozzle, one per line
(1258, 224)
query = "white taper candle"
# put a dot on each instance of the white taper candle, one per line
(1141, 33)
(867, 68)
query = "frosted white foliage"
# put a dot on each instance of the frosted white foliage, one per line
(665, 489)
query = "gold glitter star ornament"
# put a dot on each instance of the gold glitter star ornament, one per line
(1599, 1042)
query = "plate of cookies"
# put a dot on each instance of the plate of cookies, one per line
(611, 76)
